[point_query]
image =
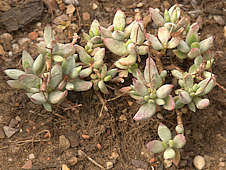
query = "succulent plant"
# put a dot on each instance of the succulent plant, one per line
(93, 39)
(171, 28)
(190, 92)
(48, 78)
(149, 91)
(192, 47)
(167, 144)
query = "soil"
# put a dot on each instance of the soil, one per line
(111, 135)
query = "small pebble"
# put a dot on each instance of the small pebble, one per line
(221, 164)
(31, 156)
(9, 131)
(13, 123)
(140, 5)
(218, 19)
(27, 165)
(94, 6)
(109, 165)
(166, 4)
(159, 116)
(33, 36)
(85, 16)
(65, 167)
(18, 118)
(70, 9)
(39, 25)
(167, 163)
(10, 53)
(74, 2)
(64, 143)
(199, 162)
(73, 161)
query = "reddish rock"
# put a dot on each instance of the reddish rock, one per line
(85, 16)
(33, 36)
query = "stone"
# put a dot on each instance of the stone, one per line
(9, 132)
(166, 4)
(74, 2)
(18, 118)
(10, 53)
(31, 156)
(221, 164)
(58, 20)
(5, 40)
(73, 138)
(13, 123)
(27, 165)
(199, 162)
(109, 165)
(2, 135)
(94, 6)
(139, 164)
(167, 163)
(219, 20)
(24, 42)
(2, 52)
(64, 143)
(70, 9)
(65, 167)
(33, 36)
(73, 161)
(140, 4)
(85, 16)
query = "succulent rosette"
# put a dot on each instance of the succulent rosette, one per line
(190, 92)
(149, 91)
(167, 144)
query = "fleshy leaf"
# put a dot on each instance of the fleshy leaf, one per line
(155, 146)
(150, 70)
(30, 80)
(103, 87)
(38, 64)
(83, 56)
(180, 54)
(179, 141)
(183, 47)
(188, 81)
(163, 35)
(145, 111)
(81, 85)
(38, 98)
(192, 38)
(27, 61)
(192, 107)
(106, 33)
(47, 106)
(205, 86)
(155, 43)
(194, 52)
(170, 104)
(14, 73)
(206, 44)
(156, 17)
(57, 97)
(142, 50)
(65, 50)
(15, 84)
(128, 29)
(119, 21)
(201, 103)
(137, 33)
(184, 97)
(69, 86)
(129, 60)
(118, 35)
(164, 90)
(94, 28)
(173, 43)
(85, 72)
(68, 65)
(48, 36)
(56, 76)
(177, 74)
(164, 133)
(115, 46)
(140, 88)
(169, 153)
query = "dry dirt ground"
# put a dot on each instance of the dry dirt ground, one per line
(112, 136)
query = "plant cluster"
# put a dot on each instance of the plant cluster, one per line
(63, 67)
